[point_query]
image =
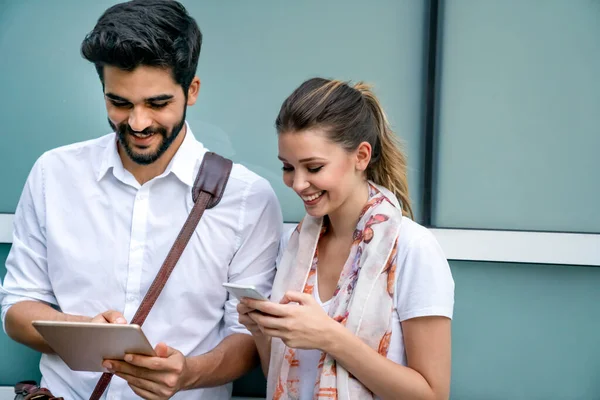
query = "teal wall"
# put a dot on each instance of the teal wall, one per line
(253, 56)
(525, 332)
(518, 138)
(17, 362)
(518, 125)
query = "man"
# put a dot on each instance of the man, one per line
(96, 219)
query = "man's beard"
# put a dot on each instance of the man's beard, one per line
(124, 131)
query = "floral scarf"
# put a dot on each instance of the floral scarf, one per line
(362, 300)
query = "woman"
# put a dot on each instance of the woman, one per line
(363, 297)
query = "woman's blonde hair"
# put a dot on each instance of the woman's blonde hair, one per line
(350, 115)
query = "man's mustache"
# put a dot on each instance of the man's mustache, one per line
(147, 131)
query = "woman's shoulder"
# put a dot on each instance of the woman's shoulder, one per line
(412, 234)
(424, 282)
(417, 244)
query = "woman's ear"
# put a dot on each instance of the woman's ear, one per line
(363, 156)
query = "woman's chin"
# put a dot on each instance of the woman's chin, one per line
(316, 212)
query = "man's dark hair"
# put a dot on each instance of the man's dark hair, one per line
(157, 33)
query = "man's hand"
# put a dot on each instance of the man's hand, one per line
(152, 377)
(110, 317)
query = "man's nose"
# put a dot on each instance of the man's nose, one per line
(139, 119)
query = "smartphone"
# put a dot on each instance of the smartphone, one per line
(240, 291)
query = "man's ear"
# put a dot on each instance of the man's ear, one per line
(363, 156)
(193, 91)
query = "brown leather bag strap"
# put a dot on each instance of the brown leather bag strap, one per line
(207, 192)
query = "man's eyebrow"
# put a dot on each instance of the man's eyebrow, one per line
(160, 97)
(113, 96)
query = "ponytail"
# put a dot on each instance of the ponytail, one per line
(389, 167)
(350, 116)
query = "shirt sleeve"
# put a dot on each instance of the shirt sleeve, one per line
(254, 261)
(425, 286)
(283, 242)
(26, 265)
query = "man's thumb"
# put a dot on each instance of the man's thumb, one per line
(114, 317)
(162, 350)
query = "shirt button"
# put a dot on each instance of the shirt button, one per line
(131, 299)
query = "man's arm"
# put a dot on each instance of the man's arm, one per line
(232, 358)
(26, 294)
(254, 264)
(20, 315)
(18, 323)
(169, 372)
(255, 261)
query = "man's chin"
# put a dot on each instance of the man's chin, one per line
(141, 155)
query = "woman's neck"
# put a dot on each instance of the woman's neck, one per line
(343, 221)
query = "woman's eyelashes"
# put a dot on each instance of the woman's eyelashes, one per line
(312, 170)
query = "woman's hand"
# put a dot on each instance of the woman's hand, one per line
(245, 319)
(304, 325)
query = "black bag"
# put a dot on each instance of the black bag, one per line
(29, 390)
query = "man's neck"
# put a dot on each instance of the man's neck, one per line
(145, 173)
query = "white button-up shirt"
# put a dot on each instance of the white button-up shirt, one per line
(89, 238)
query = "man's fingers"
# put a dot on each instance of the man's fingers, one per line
(116, 366)
(159, 363)
(137, 382)
(143, 393)
(127, 368)
(114, 317)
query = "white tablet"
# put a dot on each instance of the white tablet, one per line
(83, 346)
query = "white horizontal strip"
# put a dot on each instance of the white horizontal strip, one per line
(484, 245)
(517, 246)
(7, 392)
(6, 228)
(520, 246)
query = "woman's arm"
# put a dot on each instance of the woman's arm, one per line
(263, 344)
(306, 326)
(262, 341)
(427, 344)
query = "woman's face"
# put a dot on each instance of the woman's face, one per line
(321, 172)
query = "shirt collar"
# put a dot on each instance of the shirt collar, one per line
(183, 165)
(110, 158)
(186, 161)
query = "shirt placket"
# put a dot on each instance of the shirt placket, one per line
(139, 222)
